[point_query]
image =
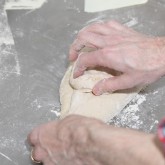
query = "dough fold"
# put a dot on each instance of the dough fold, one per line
(76, 96)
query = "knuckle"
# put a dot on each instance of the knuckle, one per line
(111, 22)
(97, 25)
(33, 137)
(37, 154)
(118, 38)
(81, 33)
(105, 52)
(92, 26)
(73, 116)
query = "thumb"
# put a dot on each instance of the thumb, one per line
(113, 84)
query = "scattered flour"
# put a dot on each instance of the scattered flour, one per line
(132, 22)
(23, 4)
(5, 32)
(56, 112)
(129, 116)
(51, 107)
(9, 63)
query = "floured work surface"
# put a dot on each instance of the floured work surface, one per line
(77, 98)
(100, 5)
(42, 38)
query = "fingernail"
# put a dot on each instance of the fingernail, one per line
(97, 92)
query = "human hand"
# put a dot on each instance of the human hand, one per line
(138, 57)
(78, 140)
(64, 142)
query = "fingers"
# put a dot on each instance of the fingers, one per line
(107, 57)
(113, 84)
(101, 28)
(119, 27)
(96, 35)
(33, 137)
(50, 162)
(85, 60)
(85, 39)
(38, 154)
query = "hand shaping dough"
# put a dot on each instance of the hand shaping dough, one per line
(100, 5)
(76, 96)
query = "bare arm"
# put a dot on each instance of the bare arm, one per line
(78, 140)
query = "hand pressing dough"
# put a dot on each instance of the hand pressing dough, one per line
(100, 5)
(87, 81)
(76, 96)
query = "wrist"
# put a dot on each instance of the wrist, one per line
(85, 145)
(160, 43)
(124, 146)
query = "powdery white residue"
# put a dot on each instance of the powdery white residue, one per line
(7, 142)
(19, 33)
(9, 159)
(132, 22)
(9, 62)
(39, 103)
(57, 113)
(36, 104)
(24, 4)
(72, 6)
(5, 33)
(129, 116)
(99, 18)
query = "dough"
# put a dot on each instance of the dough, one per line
(87, 81)
(76, 96)
(100, 5)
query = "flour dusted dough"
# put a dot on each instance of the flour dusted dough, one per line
(76, 96)
(100, 5)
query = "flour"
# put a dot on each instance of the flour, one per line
(9, 62)
(133, 117)
(129, 117)
(132, 22)
(9, 159)
(51, 107)
(72, 6)
(24, 4)
(5, 33)
(56, 112)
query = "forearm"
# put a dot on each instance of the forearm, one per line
(160, 43)
(126, 147)
(79, 140)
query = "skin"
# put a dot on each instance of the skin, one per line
(84, 141)
(140, 58)
(78, 140)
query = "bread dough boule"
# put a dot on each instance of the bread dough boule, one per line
(76, 96)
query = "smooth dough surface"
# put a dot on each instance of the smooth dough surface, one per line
(76, 97)
(100, 5)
